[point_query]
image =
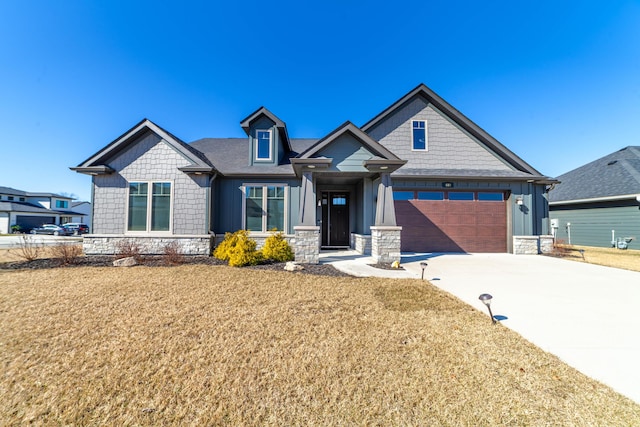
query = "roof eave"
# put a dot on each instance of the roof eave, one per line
(94, 170)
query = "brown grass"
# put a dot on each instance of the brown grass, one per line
(628, 259)
(197, 345)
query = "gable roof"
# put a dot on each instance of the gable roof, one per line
(614, 176)
(461, 120)
(96, 164)
(280, 125)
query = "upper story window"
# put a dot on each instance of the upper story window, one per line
(9, 197)
(62, 204)
(149, 210)
(263, 145)
(419, 135)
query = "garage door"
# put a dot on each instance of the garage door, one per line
(448, 221)
(27, 222)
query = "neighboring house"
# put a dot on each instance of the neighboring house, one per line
(419, 176)
(599, 203)
(30, 210)
(84, 213)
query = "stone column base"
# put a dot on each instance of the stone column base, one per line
(532, 245)
(307, 244)
(385, 243)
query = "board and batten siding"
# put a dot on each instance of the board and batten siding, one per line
(591, 225)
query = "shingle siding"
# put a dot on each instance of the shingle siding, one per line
(150, 159)
(449, 147)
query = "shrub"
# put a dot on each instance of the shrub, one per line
(171, 254)
(29, 248)
(276, 248)
(67, 253)
(238, 249)
(129, 248)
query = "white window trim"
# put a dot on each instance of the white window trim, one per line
(264, 159)
(426, 135)
(264, 186)
(149, 204)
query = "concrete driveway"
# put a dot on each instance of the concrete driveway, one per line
(587, 315)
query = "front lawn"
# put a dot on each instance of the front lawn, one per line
(211, 345)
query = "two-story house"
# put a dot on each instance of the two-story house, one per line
(419, 176)
(29, 210)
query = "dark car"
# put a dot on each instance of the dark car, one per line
(76, 228)
(52, 229)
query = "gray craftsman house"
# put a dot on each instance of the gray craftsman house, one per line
(598, 204)
(419, 176)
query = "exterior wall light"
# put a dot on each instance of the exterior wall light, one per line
(519, 201)
(486, 299)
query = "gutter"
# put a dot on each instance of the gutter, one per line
(596, 199)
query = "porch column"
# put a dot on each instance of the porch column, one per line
(307, 232)
(385, 234)
(307, 212)
(385, 211)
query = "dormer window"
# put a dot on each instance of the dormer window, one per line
(419, 135)
(263, 145)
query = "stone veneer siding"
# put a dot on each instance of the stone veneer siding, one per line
(385, 243)
(307, 244)
(532, 245)
(361, 243)
(149, 245)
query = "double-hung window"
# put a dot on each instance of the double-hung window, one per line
(149, 206)
(263, 145)
(419, 135)
(264, 207)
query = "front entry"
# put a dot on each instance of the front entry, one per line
(335, 219)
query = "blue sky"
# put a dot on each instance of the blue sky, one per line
(557, 82)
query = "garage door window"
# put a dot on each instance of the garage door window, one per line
(430, 195)
(491, 197)
(460, 196)
(483, 196)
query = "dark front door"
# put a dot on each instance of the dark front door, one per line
(335, 219)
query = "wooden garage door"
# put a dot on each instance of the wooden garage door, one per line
(448, 221)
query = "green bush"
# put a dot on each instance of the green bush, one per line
(238, 249)
(277, 249)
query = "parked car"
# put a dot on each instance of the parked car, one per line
(76, 228)
(52, 229)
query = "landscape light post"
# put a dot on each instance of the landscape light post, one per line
(486, 299)
(423, 265)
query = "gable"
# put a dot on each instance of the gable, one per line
(348, 154)
(448, 146)
(458, 145)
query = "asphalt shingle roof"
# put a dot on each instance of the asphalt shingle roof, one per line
(616, 174)
(231, 156)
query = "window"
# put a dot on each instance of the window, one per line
(419, 135)
(22, 199)
(149, 211)
(263, 145)
(62, 204)
(430, 195)
(460, 196)
(264, 207)
(9, 197)
(403, 195)
(491, 197)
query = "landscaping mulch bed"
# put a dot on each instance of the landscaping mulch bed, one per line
(159, 261)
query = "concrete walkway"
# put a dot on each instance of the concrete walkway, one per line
(587, 315)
